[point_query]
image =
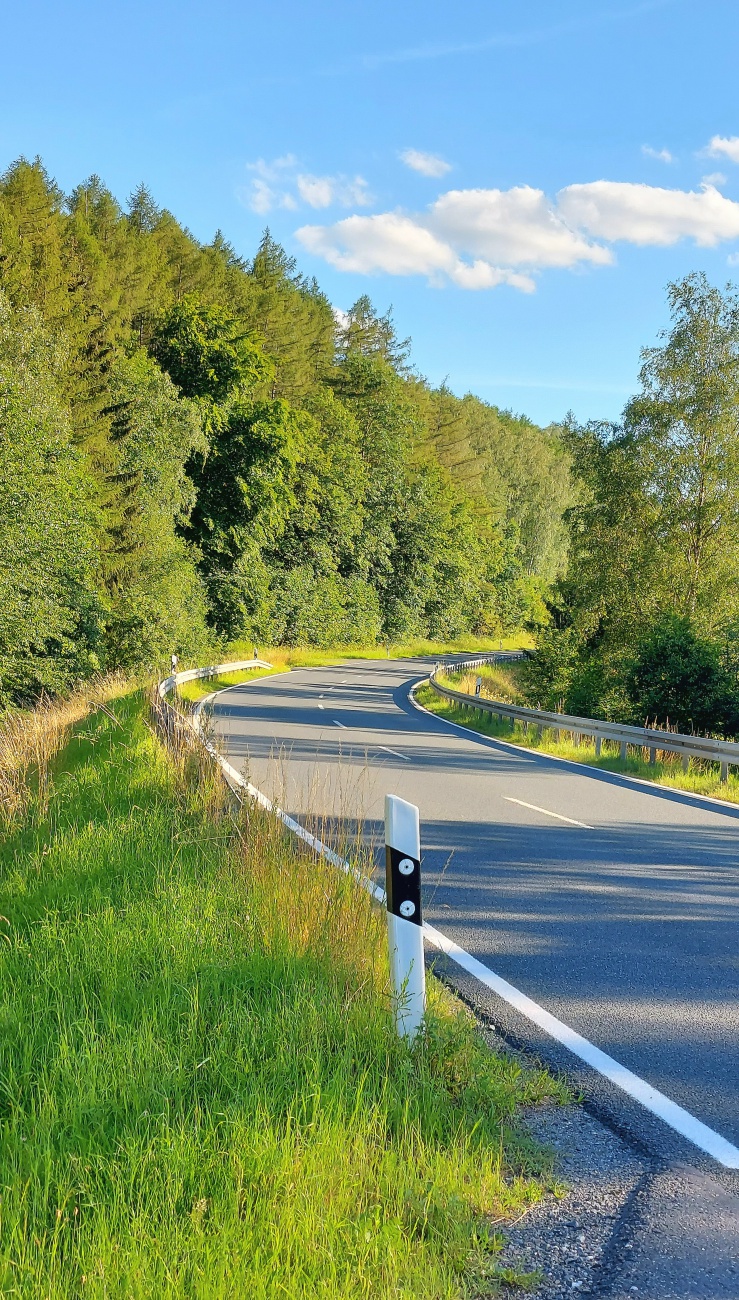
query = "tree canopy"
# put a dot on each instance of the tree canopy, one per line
(654, 533)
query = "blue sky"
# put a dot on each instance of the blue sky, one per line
(520, 182)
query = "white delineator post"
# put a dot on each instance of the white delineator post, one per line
(404, 928)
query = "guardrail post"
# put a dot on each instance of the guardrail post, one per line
(724, 772)
(404, 927)
(598, 743)
(653, 755)
(622, 753)
(686, 762)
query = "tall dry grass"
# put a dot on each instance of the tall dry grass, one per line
(300, 901)
(498, 683)
(30, 740)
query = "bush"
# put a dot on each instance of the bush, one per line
(677, 678)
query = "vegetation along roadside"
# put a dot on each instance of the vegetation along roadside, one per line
(507, 684)
(202, 1090)
(283, 658)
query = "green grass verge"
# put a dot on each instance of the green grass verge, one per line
(283, 658)
(202, 686)
(701, 777)
(309, 656)
(200, 1087)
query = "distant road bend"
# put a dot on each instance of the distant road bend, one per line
(612, 905)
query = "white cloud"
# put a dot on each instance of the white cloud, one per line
(261, 197)
(394, 244)
(480, 238)
(646, 214)
(733, 259)
(270, 171)
(723, 146)
(428, 164)
(316, 191)
(661, 155)
(516, 227)
(277, 184)
(325, 191)
(714, 178)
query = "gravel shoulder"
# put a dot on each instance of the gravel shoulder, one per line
(629, 1224)
(575, 1240)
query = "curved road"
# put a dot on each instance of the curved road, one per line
(612, 904)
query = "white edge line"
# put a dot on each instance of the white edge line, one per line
(678, 1119)
(339, 724)
(535, 808)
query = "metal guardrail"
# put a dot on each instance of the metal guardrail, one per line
(213, 670)
(725, 752)
(176, 726)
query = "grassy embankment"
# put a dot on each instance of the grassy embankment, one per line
(202, 1093)
(504, 684)
(284, 658)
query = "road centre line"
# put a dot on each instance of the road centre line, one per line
(535, 807)
(388, 750)
(339, 724)
(322, 706)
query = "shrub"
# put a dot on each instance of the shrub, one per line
(677, 677)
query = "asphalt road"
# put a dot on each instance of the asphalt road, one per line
(621, 921)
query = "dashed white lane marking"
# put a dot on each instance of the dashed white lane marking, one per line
(339, 724)
(388, 750)
(321, 706)
(535, 808)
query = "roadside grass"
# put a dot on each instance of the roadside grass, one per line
(312, 656)
(31, 738)
(499, 682)
(283, 658)
(201, 686)
(201, 1091)
(702, 777)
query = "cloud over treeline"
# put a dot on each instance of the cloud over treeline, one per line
(479, 238)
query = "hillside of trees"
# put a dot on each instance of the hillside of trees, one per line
(197, 448)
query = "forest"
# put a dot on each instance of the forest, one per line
(197, 448)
